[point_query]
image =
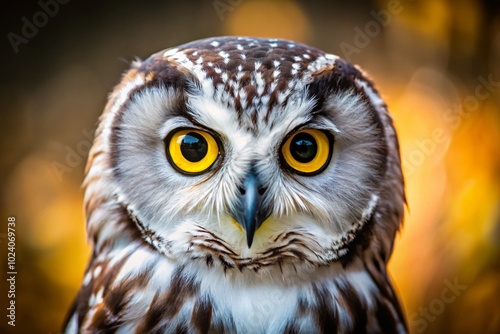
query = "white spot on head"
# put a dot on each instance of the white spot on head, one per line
(233, 84)
(260, 83)
(243, 98)
(272, 87)
(215, 44)
(96, 299)
(239, 75)
(239, 47)
(329, 56)
(170, 52)
(297, 58)
(73, 324)
(97, 271)
(282, 96)
(265, 100)
(87, 278)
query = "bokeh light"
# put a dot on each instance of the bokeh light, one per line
(276, 19)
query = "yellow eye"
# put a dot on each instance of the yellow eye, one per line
(191, 151)
(308, 151)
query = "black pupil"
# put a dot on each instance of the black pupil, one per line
(303, 147)
(194, 147)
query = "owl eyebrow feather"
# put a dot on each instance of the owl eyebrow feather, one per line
(316, 122)
(189, 114)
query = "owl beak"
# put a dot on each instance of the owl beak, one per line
(250, 211)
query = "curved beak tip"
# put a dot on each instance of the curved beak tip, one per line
(249, 239)
(250, 211)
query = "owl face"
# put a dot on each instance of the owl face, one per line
(249, 151)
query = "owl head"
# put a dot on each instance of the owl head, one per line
(246, 153)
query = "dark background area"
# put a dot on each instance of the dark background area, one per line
(427, 57)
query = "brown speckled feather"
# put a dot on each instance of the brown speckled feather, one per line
(171, 251)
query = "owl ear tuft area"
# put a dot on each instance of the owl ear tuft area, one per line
(333, 78)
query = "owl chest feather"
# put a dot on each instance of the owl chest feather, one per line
(151, 293)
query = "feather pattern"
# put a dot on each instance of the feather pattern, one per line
(168, 256)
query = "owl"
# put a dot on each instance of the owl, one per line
(242, 185)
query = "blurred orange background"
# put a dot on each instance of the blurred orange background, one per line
(436, 62)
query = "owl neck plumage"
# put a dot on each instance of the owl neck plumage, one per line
(350, 295)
